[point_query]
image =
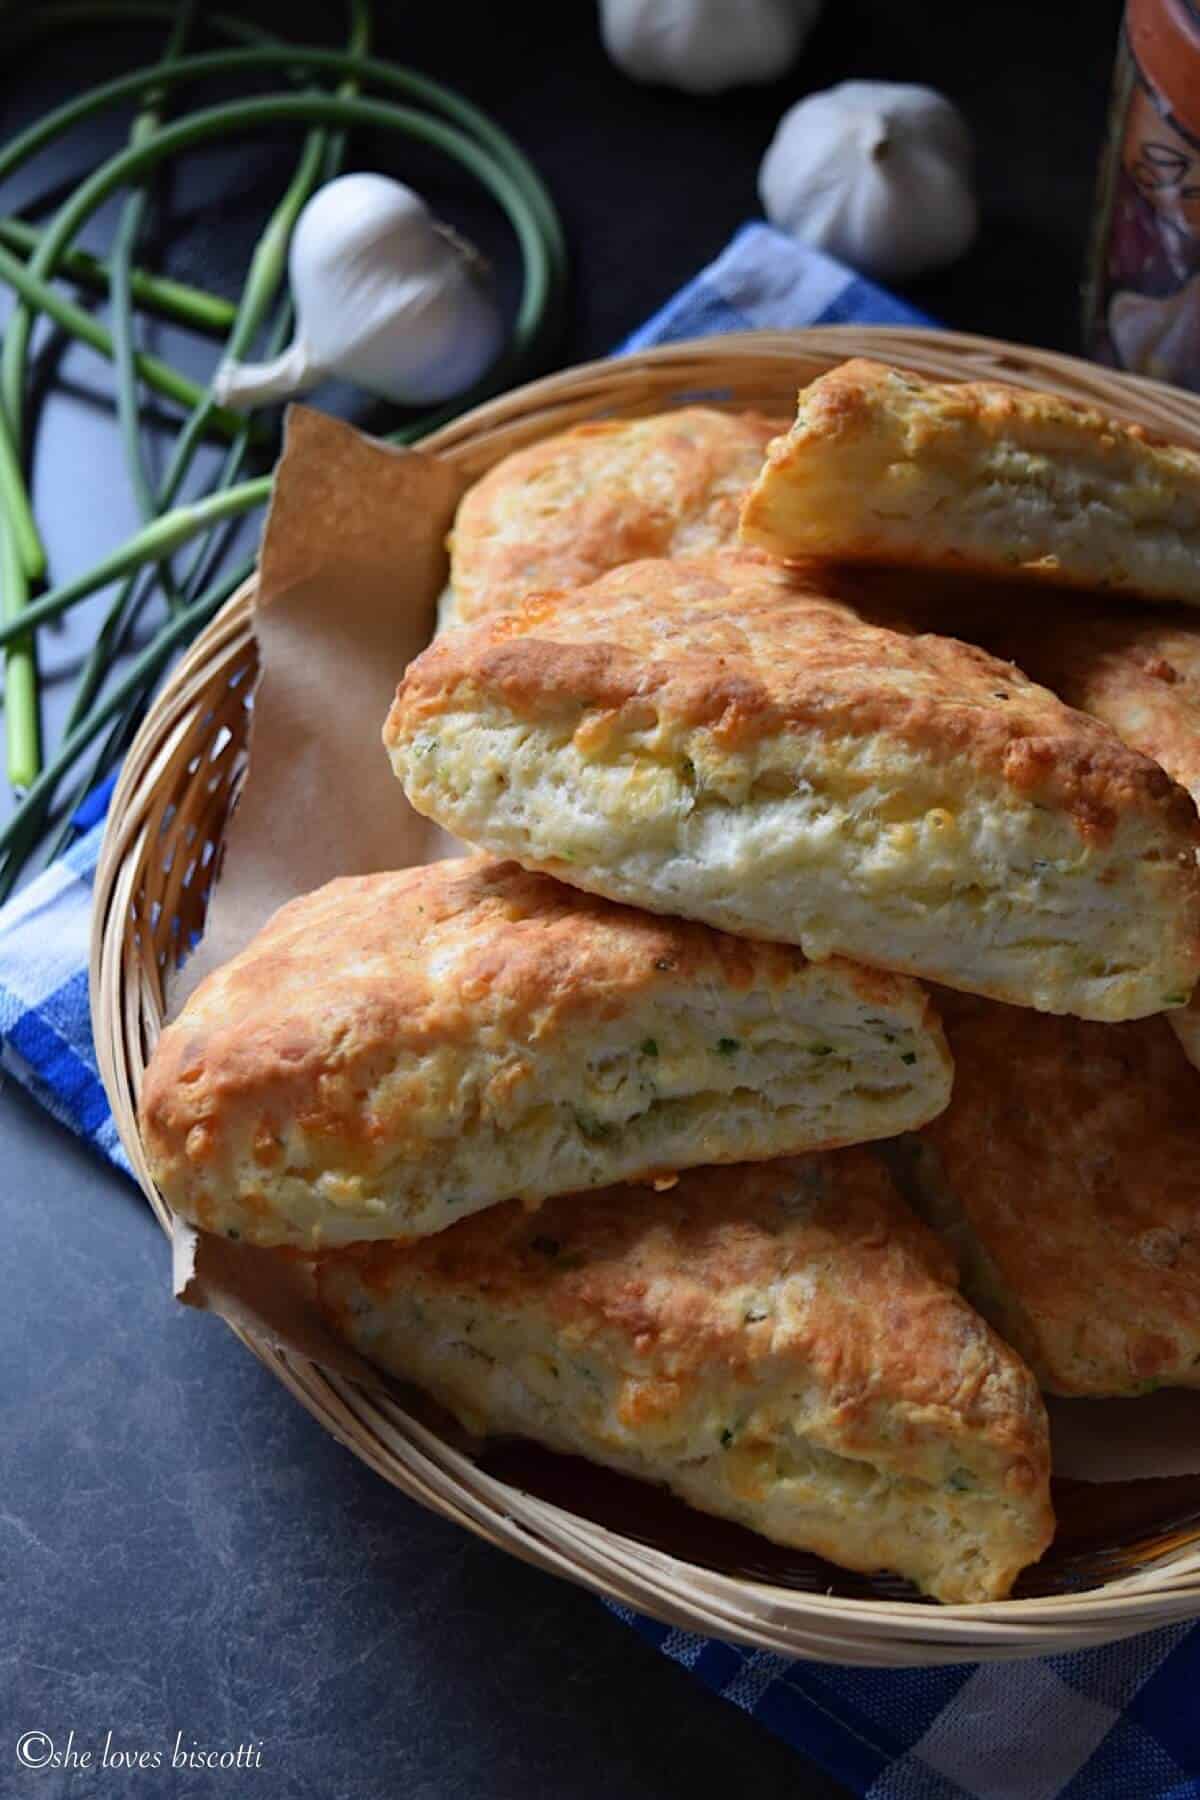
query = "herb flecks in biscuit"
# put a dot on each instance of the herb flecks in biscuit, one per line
(567, 509)
(884, 466)
(397, 1051)
(728, 740)
(780, 1345)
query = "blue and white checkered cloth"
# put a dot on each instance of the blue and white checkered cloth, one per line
(1121, 1723)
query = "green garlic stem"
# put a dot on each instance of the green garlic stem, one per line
(144, 668)
(17, 510)
(172, 300)
(509, 178)
(81, 324)
(485, 151)
(129, 229)
(320, 159)
(20, 673)
(160, 538)
(359, 44)
(264, 277)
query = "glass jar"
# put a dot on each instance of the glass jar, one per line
(1142, 295)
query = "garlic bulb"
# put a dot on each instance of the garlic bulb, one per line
(876, 172)
(703, 46)
(385, 297)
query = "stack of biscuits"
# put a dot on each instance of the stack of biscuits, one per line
(797, 1080)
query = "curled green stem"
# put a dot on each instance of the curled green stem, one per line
(15, 503)
(160, 538)
(173, 300)
(18, 511)
(490, 155)
(321, 158)
(22, 737)
(129, 230)
(267, 268)
(144, 668)
(264, 278)
(152, 370)
(359, 44)
(504, 170)
(470, 138)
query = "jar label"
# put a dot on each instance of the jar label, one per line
(1162, 162)
(1142, 307)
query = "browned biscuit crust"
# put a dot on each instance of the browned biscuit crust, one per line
(565, 510)
(746, 650)
(780, 1343)
(882, 465)
(1135, 668)
(397, 1050)
(1066, 1172)
(749, 677)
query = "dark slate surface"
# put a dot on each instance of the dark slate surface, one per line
(183, 1549)
(186, 1550)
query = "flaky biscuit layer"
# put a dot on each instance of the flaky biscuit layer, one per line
(781, 1345)
(1136, 668)
(728, 740)
(565, 510)
(397, 1051)
(884, 466)
(1065, 1174)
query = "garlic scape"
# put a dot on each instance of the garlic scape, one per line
(385, 297)
(876, 172)
(703, 46)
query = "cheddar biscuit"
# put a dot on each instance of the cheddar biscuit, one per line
(1139, 671)
(726, 740)
(397, 1051)
(1065, 1174)
(565, 510)
(1135, 668)
(781, 1345)
(884, 466)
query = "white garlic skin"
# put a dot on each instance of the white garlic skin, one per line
(878, 173)
(385, 297)
(704, 46)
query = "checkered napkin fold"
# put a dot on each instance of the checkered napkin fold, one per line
(1121, 1723)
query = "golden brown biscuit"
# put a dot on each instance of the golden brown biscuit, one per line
(1065, 1174)
(567, 509)
(723, 739)
(1141, 674)
(884, 466)
(781, 1345)
(394, 1052)
(1136, 668)
(1139, 671)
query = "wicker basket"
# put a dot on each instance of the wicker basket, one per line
(1133, 1562)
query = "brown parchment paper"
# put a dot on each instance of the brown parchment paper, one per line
(352, 562)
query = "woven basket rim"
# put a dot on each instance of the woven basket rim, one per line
(126, 1013)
